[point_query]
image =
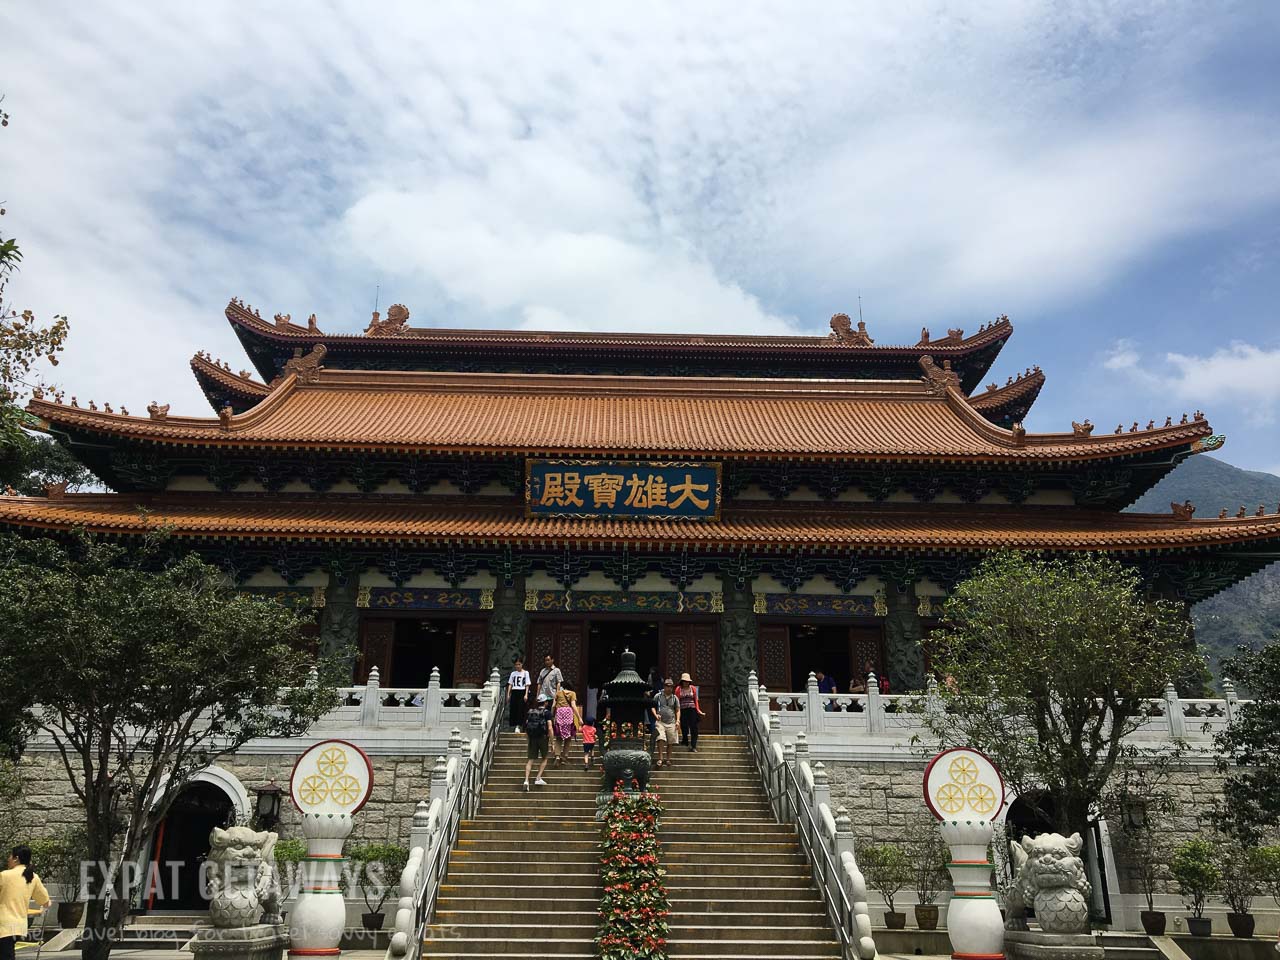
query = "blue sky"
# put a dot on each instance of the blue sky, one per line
(1106, 174)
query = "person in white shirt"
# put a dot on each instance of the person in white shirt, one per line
(518, 695)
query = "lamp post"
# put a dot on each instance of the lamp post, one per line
(268, 804)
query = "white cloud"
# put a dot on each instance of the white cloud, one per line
(1123, 356)
(712, 167)
(1241, 374)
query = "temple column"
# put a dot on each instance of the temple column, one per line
(737, 652)
(902, 633)
(340, 622)
(507, 627)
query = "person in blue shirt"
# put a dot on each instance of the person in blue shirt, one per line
(825, 685)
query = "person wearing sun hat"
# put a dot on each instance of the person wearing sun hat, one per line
(690, 711)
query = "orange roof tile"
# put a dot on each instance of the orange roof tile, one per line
(585, 415)
(887, 527)
(213, 376)
(283, 329)
(995, 398)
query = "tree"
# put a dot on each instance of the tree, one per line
(1047, 664)
(145, 668)
(1139, 799)
(33, 461)
(1249, 749)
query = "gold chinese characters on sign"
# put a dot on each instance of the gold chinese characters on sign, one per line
(618, 488)
(332, 777)
(963, 784)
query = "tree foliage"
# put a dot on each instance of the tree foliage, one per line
(143, 668)
(33, 461)
(1046, 665)
(1249, 749)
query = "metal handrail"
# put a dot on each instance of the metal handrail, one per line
(795, 809)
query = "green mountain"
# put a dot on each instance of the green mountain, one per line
(1249, 612)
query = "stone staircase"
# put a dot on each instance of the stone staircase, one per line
(524, 878)
(738, 882)
(1128, 946)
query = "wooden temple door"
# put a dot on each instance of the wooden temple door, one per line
(566, 641)
(377, 647)
(471, 653)
(693, 647)
(774, 670)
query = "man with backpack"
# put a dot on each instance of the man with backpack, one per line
(537, 727)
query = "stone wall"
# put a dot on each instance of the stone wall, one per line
(399, 782)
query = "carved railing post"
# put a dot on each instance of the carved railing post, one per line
(801, 749)
(821, 785)
(372, 700)
(1231, 702)
(420, 831)
(789, 755)
(455, 743)
(775, 728)
(932, 699)
(753, 687)
(431, 705)
(1173, 712)
(440, 780)
(813, 704)
(875, 707)
(477, 721)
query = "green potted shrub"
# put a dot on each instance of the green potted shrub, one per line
(289, 853)
(929, 857)
(1242, 879)
(377, 869)
(887, 869)
(1195, 870)
(57, 860)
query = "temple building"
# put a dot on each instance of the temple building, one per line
(718, 503)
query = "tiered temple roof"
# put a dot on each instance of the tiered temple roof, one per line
(863, 426)
(583, 415)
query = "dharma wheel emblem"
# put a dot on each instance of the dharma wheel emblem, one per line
(332, 777)
(963, 783)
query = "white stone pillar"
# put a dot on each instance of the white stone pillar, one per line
(431, 706)
(801, 750)
(1231, 702)
(372, 700)
(753, 687)
(456, 743)
(420, 831)
(875, 707)
(821, 785)
(813, 704)
(1173, 712)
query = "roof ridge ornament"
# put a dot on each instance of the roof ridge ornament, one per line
(1082, 429)
(396, 324)
(306, 367)
(938, 379)
(842, 330)
(1183, 511)
(156, 411)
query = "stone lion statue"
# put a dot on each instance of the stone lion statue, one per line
(1051, 878)
(242, 876)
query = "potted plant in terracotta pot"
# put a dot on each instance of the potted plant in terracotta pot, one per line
(1141, 796)
(377, 868)
(929, 857)
(887, 869)
(1242, 879)
(1195, 871)
(58, 861)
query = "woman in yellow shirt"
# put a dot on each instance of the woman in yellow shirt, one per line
(19, 885)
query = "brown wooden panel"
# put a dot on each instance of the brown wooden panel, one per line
(377, 644)
(867, 644)
(704, 666)
(566, 641)
(673, 649)
(471, 653)
(774, 641)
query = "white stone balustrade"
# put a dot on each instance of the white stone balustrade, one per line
(879, 720)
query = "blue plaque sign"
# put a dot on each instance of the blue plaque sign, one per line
(622, 488)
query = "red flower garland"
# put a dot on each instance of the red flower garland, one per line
(633, 906)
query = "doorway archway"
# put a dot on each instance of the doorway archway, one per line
(182, 845)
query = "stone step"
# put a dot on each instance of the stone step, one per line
(532, 928)
(764, 854)
(716, 832)
(548, 939)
